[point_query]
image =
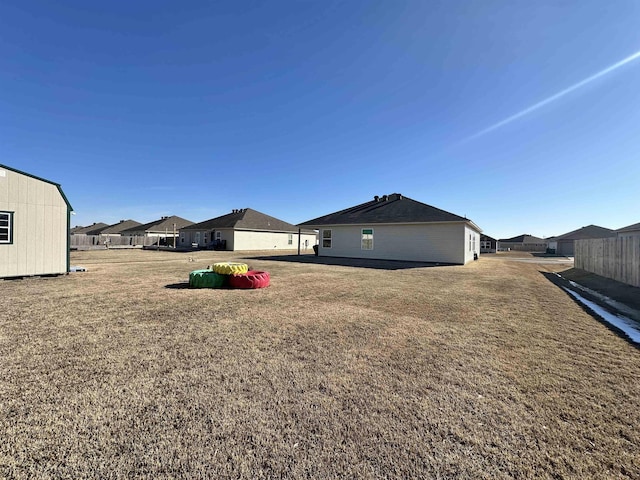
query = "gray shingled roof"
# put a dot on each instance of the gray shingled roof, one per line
(161, 225)
(590, 231)
(629, 228)
(120, 226)
(94, 229)
(394, 208)
(246, 219)
(524, 238)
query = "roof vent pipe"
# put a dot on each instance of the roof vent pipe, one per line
(384, 198)
(376, 198)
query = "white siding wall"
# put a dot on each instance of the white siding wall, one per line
(438, 242)
(251, 240)
(39, 227)
(472, 243)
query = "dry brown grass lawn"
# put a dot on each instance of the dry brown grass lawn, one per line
(483, 371)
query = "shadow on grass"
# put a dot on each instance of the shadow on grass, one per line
(178, 286)
(608, 307)
(349, 262)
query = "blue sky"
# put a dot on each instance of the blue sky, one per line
(301, 108)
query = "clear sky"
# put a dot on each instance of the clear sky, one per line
(489, 109)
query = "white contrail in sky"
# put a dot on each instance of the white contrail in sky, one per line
(544, 102)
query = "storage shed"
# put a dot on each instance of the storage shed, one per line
(34, 225)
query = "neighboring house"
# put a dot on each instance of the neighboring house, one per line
(246, 229)
(523, 243)
(93, 229)
(564, 244)
(116, 229)
(629, 231)
(488, 244)
(163, 231)
(394, 227)
(34, 225)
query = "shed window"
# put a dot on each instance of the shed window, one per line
(326, 238)
(290, 239)
(367, 239)
(6, 227)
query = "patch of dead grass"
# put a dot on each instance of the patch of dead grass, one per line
(483, 371)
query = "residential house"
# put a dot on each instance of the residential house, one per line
(116, 229)
(488, 244)
(246, 229)
(564, 244)
(523, 243)
(163, 231)
(395, 227)
(629, 231)
(34, 225)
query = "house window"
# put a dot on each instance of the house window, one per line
(290, 239)
(6, 227)
(218, 235)
(326, 238)
(367, 239)
(474, 243)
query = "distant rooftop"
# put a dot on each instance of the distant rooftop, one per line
(394, 208)
(246, 219)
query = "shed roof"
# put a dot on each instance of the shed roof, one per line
(246, 219)
(388, 209)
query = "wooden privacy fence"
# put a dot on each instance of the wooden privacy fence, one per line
(98, 240)
(615, 258)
